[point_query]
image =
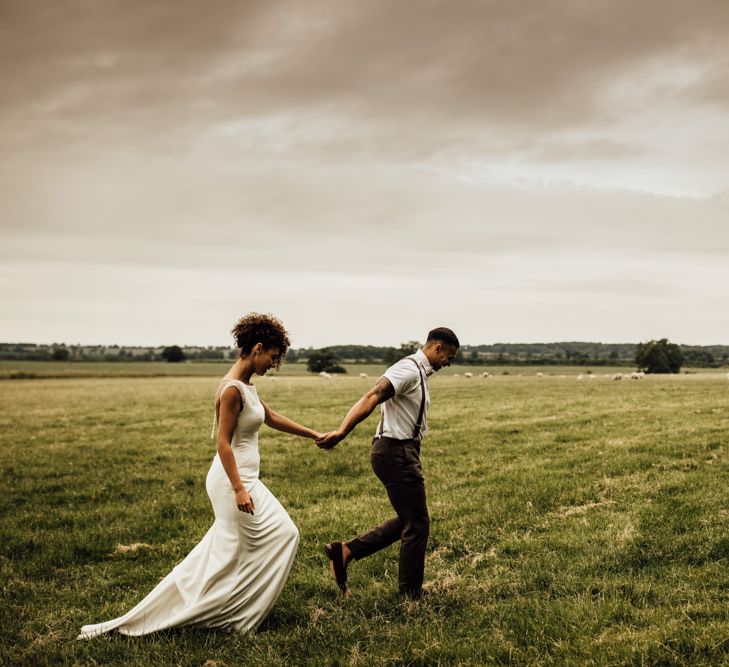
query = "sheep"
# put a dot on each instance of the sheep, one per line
(364, 376)
(324, 374)
(485, 374)
(468, 374)
(618, 376)
(637, 375)
(579, 377)
(540, 375)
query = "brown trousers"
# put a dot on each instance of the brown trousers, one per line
(397, 464)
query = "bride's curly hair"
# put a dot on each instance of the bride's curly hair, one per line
(261, 328)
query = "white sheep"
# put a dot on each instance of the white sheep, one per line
(579, 377)
(485, 374)
(364, 376)
(637, 375)
(324, 374)
(618, 376)
(468, 374)
(540, 375)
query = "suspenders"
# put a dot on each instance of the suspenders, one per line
(419, 424)
(421, 412)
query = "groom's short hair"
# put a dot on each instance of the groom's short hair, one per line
(443, 335)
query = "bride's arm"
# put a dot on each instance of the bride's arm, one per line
(281, 423)
(230, 405)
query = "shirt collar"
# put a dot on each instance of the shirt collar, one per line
(423, 361)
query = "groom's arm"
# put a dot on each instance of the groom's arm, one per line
(362, 409)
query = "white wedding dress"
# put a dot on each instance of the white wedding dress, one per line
(234, 575)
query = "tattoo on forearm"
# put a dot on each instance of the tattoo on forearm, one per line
(383, 390)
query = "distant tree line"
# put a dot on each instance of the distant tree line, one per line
(114, 353)
(512, 354)
(655, 356)
(529, 354)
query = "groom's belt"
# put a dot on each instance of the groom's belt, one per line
(395, 442)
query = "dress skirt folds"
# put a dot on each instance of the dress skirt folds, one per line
(234, 575)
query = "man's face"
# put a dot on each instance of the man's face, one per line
(443, 356)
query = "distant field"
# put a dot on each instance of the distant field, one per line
(572, 522)
(68, 369)
(80, 369)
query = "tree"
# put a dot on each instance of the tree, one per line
(406, 349)
(659, 356)
(699, 358)
(173, 354)
(324, 361)
(60, 354)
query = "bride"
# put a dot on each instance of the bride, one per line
(234, 575)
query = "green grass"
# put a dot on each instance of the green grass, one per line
(33, 370)
(572, 522)
(23, 370)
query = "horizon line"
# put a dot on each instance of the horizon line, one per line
(464, 345)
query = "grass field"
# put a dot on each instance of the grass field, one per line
(572, 522)
(32, 370)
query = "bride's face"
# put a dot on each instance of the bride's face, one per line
(265, 360)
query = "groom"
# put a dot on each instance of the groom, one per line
(395, 457)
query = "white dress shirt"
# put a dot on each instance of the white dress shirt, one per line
(400, 413)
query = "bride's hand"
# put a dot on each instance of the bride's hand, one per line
(244, 501)
(329, 440)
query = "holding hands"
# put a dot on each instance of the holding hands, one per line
(329, 440)
(362, 409)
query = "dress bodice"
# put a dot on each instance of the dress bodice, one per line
(245, 437)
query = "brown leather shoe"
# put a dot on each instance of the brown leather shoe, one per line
(336, 564)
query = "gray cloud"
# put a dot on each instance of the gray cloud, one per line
(526, 150)
(587, 150)
(471, 68)
(211, 220)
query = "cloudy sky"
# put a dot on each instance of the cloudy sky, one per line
(519, 170)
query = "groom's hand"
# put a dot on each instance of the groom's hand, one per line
(329, 440)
